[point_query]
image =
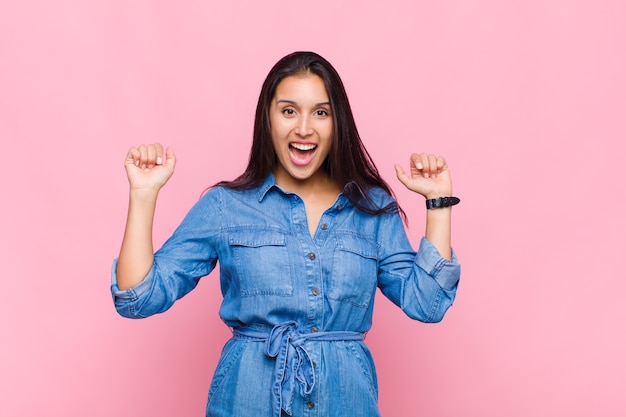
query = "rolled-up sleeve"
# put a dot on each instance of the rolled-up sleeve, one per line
(188, 255)
(128, 302)
(423, 283)
(446, 273)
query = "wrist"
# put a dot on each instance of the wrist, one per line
(437, 194)
(148, 193)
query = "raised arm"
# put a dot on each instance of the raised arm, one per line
(148, 170)
(430, 177)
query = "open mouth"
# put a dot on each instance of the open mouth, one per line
(301, 153)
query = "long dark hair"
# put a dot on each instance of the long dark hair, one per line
(348, 163)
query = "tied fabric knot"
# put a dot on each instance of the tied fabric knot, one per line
(293, 363)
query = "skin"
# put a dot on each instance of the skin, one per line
(300, 115)
(148, 170)
(429, 176)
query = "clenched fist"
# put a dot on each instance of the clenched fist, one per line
(148, 168)
(429, 176)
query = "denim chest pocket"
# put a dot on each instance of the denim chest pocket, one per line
(355, 271)
(261, 263)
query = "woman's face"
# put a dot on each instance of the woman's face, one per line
(301, 126)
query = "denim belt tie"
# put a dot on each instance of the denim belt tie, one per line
(293, 362)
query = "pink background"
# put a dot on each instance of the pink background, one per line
(526, 99)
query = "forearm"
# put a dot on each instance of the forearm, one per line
(430, 177)
(137, 254)
(438, 230)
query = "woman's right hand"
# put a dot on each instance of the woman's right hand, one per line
(148, 168)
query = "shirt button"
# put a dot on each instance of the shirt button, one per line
(311, 256)
(314, 364)
(315, 291)
(314, 329)
(310, 404)
(339, 206)
(324, 226)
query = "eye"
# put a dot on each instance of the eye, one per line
(288, 111)
(321, 113)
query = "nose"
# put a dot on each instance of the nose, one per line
(303, 129)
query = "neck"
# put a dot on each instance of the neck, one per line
(319, 183)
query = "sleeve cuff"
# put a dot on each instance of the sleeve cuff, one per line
(131, 294)
(446, 273)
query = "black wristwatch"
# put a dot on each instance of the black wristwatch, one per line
(442, 202)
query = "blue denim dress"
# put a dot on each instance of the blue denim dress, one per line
(299, 306)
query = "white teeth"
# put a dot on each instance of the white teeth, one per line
(303, 147)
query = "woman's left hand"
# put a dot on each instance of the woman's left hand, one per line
(429, 176)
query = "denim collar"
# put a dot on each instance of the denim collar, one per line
(270, 182)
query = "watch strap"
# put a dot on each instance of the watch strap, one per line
(442, 202)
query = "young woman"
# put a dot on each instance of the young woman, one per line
(303, 238)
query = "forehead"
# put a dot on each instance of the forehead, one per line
(301, 88)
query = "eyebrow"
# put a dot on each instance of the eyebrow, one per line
(324, 103)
